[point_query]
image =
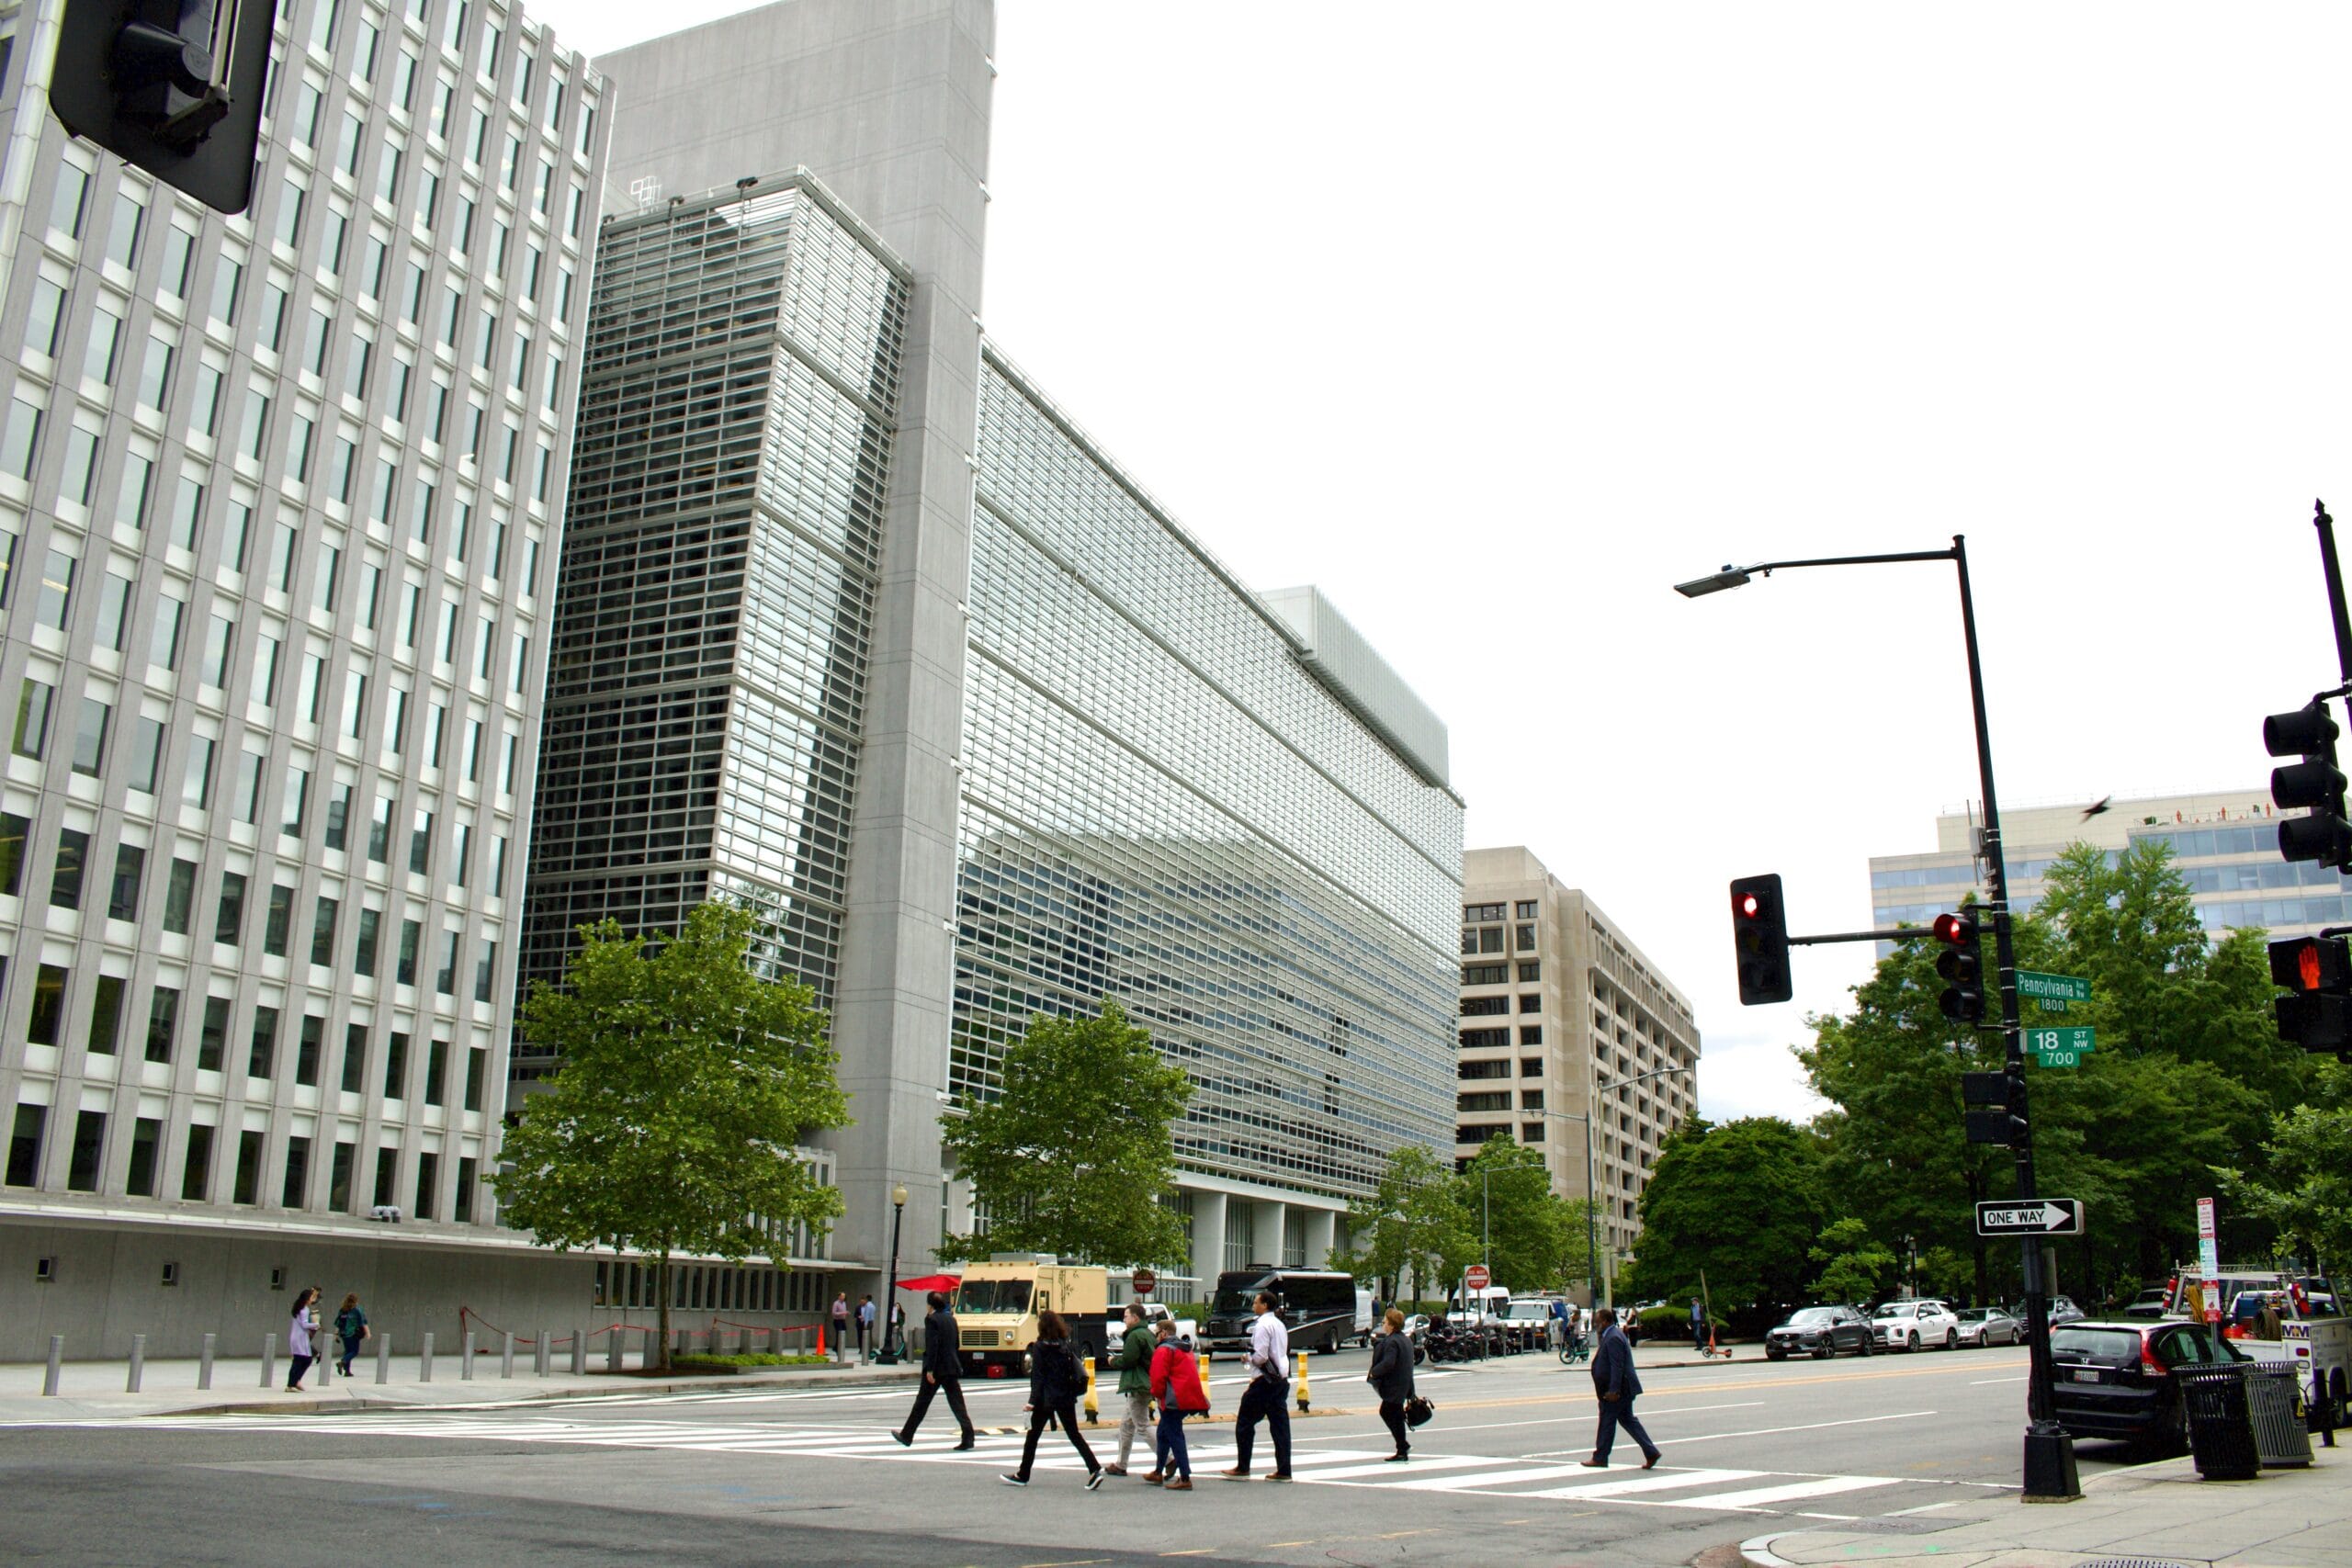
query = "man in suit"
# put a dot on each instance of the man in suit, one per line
(1617, 1385)
(941, 1373)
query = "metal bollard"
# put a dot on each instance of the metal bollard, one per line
(613, 1349)
(579, 1351)
(138, 1362)
(383, 1358)
(424, 1359)
(465, 1358)
(1093, 1411)
(1204, 1375)
(56, 1365)
(653, 1347)
(269, 1360)
(1302, 1382)
(506, 1355)
(324, 1364)
(204, 1362)
(545, 1348)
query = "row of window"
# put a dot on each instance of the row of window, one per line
(1499, 1100)
(700, 1288)
(143, 1178)
(1499, 974)
(1472, 914)
(1495, 1007)
(1482, 1039)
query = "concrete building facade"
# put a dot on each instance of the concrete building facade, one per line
(1042, 748)
(280, 498)
(2225, 843)
(1567, 1029)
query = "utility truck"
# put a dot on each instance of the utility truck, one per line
(997, 1303)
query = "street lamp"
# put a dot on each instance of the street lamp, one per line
(1591, 1183)
(2049, 1451)
(891, 1351)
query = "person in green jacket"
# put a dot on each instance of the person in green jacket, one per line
(1134, 1364)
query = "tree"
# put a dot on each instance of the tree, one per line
(1507, 1194)
(1854, 1268)
(685, 1083)
(1742, 1202)
(1412, 1224)
(2305, 1194)
(1076, 1151)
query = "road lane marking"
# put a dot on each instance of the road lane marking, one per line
(1669, 1480)
(1923, 1508)
(1770, 1431)
(1982, 1383)
(1435, 1461)
(1758, 1496)
(1593, 1486)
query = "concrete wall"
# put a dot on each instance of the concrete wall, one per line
(886, 101)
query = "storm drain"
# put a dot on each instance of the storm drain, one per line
(2133, 1562)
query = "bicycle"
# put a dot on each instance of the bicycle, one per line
(1575, 1348)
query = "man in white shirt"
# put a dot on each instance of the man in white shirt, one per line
(1269, 1358)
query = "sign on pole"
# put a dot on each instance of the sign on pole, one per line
(2209, 1259)
(1143, 1281)
(1475, 1277)
(2055, 993)
(2043, 1216)
(2061, 1047)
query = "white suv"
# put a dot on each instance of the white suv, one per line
(1909, 1326)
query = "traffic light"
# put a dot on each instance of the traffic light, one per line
(1760, 936)
(1994, 1107)
(2323, 835)
(1962, 968)
(2316, 1013)
(172, 86)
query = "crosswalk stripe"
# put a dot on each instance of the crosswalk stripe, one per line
(1652, 1481)
(1758, 1496)
(1492, 1478)
(1449, 1462)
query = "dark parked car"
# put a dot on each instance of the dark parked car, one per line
(1819, 1331)
(2115, 1378)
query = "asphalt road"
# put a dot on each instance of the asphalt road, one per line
(748, 1477)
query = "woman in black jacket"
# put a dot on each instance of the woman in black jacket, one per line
(1392, 1378)
(1056, 1381)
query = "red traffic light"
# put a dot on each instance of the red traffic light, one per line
(1751, 906)
(2307, 969)
(1954, 928)
(2307, 964)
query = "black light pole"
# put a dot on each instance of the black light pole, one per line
(890, 1350)
(2049, 1452)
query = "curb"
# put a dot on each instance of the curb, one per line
(1757, 1550)
(338, 1401)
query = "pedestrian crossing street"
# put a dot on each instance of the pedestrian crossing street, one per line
(1713, 1489)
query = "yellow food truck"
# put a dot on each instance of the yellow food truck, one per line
(998, 1302)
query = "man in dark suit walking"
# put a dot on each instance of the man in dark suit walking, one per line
(941, 1373)
(1618, 1385)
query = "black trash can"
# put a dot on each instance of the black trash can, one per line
(2221, 1423)
(2275, 1395)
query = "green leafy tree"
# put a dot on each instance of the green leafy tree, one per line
(1412, 1225)
(2304, 1195)
(1076, 1151)
(1506, 1193)
(686, 1082)
(1853, 1267)
(1741, 1202)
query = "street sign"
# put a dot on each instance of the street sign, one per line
(1144, 1281)
(2044, 1216)
(2061, 1047)
(2054, 992)
(1476, 1276)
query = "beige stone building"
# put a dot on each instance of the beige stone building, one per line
(1561, 1019)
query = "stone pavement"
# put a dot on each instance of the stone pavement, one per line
(2150, 1515)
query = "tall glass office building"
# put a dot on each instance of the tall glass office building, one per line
(279, 503)
(857, 624)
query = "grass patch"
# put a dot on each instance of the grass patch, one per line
(741, 1363)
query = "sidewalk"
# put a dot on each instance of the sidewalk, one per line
(2153, 1515)
(94, 1389)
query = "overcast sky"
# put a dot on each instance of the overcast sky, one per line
(1497, 321)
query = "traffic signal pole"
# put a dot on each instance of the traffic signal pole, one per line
(2049, 1473)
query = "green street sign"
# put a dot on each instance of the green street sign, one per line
(2058, 1058)
(2054, 992)
(2061, 1039)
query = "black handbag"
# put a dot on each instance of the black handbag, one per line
(1418, 1410)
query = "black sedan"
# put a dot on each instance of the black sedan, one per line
(1819, 1331)
(2117, 1377)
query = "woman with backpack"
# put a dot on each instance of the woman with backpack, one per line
(1392, 1378)
(351, 1327)
(1056, 1381)
(1176, 1384)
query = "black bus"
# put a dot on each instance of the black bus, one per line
(1317, 1307)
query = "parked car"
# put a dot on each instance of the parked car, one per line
(2115, 1378)
(1820, 1331)
(1529, 1321)
(1989, 1325)
(1909, 1325)
(2062, 1311)
(1188, 1332)
(2152, 1303)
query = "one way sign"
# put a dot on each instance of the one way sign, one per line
(2043, 1216)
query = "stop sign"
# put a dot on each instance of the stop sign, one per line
(1144, 1281)
(1476, 1276)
